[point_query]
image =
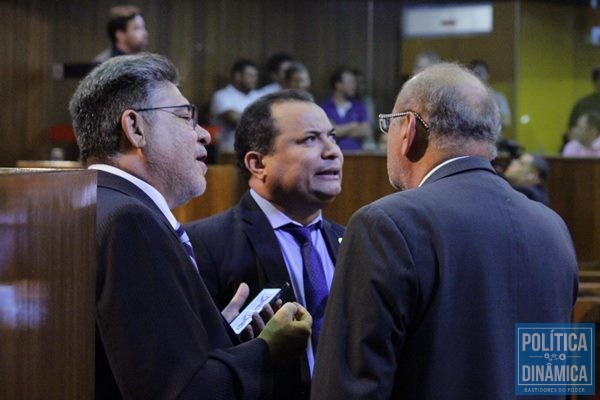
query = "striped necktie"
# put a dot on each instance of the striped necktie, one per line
(315, 284)
(185, 241)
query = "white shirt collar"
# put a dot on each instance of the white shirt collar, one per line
(438, 167)
(276, 218)
(154, 194)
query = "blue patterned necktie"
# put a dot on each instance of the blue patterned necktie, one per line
(315, 284)
(185, 241)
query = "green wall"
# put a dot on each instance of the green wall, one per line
(553, 71)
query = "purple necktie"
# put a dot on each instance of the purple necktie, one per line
(315, 284)
(185, 241)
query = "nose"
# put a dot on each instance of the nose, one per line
(203, 135)
(331, 150)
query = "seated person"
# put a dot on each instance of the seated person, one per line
(481, 69)
(588, 103)
(527, 174)
(127, 32)
(276, 66)
(347, 113)
(229, 102)
(584, 137)
(297, 77)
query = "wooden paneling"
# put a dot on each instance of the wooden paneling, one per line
(224, 189)
(47, 275)
(575, 195)
(572, 187)
(365, 180)
(203, 38)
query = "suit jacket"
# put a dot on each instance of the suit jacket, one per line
(430, 283)
(239, 245)
(159, 334)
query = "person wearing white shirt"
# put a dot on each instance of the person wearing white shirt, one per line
(229, 102)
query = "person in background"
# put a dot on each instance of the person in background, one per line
(481, 69)
(362, 94)
(431, 280)
(347, 113)
(425, 59)
(159, 335)
(229, 102)
(588, 103)
(528, 174)
(276, 66)
(127, 32)
(297, 77)
(285, 147)
(584, 136)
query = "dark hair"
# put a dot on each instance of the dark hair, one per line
(240, 65)
(292, 69)
(338, 76)
(121, 83)
(541, 166)
(256, 130)
(118, 18)
(593, 119)
(596, 74)
(276, 60)
(478, 63)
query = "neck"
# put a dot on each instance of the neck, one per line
(339, 98)
(134, 165)
(123, 48)
(240, 88)
(302, 213)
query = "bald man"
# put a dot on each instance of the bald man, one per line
(430, 281)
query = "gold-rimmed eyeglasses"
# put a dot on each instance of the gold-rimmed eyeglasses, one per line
(191, 117)
(386, 119)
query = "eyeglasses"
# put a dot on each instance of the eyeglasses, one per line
(386, 119)
(191, 118)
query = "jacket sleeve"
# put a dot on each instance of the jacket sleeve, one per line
(371, 303)
(162, 334)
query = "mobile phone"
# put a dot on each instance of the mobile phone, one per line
(265, 296)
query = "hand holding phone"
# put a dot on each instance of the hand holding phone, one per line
(266, 296)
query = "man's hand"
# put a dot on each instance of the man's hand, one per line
(235, 305)
(287, 333)
(258, 320)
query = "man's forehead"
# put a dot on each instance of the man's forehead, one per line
(299, 114)
(167, 92)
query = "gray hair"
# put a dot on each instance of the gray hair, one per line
(460, 109)
(121, 83)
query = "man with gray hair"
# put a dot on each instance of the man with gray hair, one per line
(430, 281)
(158, 333)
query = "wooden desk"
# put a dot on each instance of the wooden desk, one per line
(47, 284)
(49, 164)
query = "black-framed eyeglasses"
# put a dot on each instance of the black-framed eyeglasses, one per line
(386, 119)
(191, 118)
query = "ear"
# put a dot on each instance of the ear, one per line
(133, 129)
(254, 162)
(119, 35)
(409, 134)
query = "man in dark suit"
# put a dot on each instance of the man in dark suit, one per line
(159, 334)
(431, 281)
(285, 146)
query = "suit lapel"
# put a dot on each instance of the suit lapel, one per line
(115, 182)
(267, 252)
(332, 240)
